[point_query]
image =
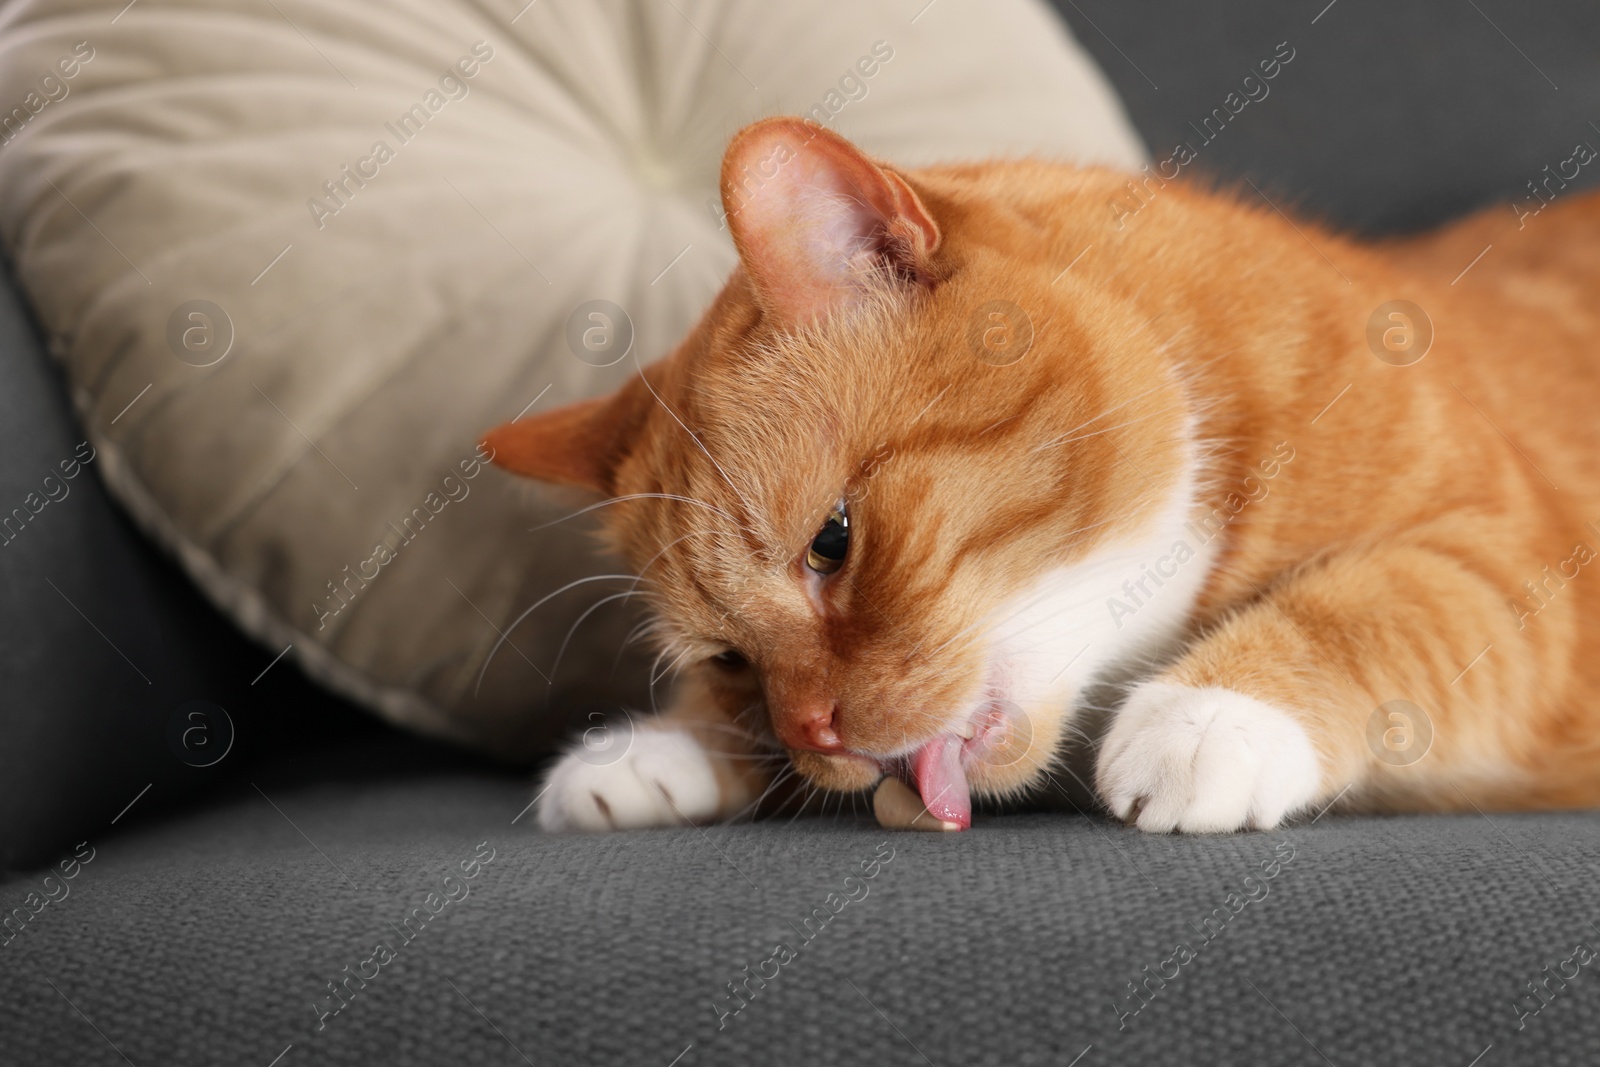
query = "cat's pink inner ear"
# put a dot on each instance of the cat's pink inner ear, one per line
(816, 222)
(571, 445)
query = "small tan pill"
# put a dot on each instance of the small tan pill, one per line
(898, 808)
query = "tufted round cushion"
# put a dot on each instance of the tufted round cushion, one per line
(296, 255)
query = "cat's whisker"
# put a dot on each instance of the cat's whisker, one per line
(638, 496)
(1067, 796)
(638, 630)
(655, 708)
(657, 676)
(1077, 732)
(725, 727)
(778, 780)
(1067, 439)
(749, 743)
(1115, 407)
(748, 507)
(658, 625)
(674, 542)
(505, 634)
(628, 639)
(765, 749)
(640, 577)
(810, 794)
(596, 606)
(985, 626)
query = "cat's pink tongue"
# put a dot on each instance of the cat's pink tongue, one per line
(936, 769)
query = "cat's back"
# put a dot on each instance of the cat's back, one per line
(1517, 302)
(1513, 302)
(1545, 264)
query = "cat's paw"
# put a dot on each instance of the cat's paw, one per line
(1205, 761)
(663, 778)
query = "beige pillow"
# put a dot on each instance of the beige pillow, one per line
(297, 255)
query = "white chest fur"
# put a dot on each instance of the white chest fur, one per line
(1124, 604)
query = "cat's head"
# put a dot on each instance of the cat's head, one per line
(881, 493)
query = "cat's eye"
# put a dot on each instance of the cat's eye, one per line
(730, 660)
(828, 548)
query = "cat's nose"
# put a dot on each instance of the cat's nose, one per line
(811, 727)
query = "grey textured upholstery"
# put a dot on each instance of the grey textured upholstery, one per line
(209, 934)
(212, 938)
(1390, 116)
(103, 641)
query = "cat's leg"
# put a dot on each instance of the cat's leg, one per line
(692, 764)
(1293, 699)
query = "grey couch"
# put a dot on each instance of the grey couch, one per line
(328, 891)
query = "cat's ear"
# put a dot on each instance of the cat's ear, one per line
(816, 221)
(573, 445)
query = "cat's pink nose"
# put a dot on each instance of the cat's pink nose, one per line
(811, 727)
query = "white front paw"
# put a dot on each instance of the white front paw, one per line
(1205, 761)
(662, 777)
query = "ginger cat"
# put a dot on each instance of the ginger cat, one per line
(955, 443)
